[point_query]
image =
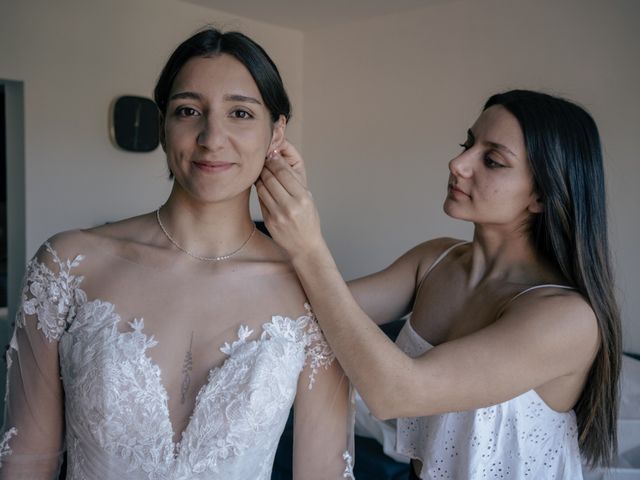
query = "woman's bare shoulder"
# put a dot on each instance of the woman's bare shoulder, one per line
(430, 251)
(555, 311)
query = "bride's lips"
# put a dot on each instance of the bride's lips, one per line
(212, 167)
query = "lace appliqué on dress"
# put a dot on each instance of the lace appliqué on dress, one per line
(303, 330)
(348, 469)
(319, 352)
(5, 449)
(116, 403)
(52, 297)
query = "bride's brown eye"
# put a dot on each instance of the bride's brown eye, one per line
(243, 114)
(186, 112)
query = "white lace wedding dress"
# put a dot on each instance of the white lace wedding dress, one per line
(114, 415)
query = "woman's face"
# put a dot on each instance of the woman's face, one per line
(490, 182)
(217, 130)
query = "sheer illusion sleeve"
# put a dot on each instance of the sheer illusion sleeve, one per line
(323, 415)
(32, 439)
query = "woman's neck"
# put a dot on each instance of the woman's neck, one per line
(206, 229)
(505, 256)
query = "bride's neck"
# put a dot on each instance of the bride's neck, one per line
(207, 229)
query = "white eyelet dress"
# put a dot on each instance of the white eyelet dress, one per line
(521, 438)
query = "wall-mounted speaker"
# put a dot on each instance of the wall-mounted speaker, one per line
(135, 123)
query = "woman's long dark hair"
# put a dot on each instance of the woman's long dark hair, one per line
(564, 152)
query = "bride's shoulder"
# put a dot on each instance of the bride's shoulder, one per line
(272, 259)
(71, 244)
(273, 270)
(128, 229)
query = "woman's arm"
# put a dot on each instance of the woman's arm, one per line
(386, 295)
(389, 294)
(532, 343)
(34, 412)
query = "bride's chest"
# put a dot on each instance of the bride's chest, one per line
(115, 391)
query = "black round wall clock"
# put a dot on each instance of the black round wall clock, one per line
(135, 124)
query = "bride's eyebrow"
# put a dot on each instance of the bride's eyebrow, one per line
(241, 98)
(186, 95)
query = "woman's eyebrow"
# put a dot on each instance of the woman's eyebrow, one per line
(496, 145)
(501, 147)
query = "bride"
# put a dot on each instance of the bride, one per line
(171, 345)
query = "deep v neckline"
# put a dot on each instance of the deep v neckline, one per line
(116, 410)
(176, 440)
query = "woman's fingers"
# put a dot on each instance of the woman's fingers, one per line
(293, 158)
(265, 199)
(275, 187)
(288, 209)
(277, 170)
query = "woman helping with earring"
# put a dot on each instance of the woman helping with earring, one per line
(172, 345)
(509, 364)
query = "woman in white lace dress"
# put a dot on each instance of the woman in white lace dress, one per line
(508, 367)
(172, 345)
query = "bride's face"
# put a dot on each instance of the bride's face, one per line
(217, 130)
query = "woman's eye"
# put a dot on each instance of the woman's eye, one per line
(492, 163)
(464, 146)
(187, 112)
(241, 114)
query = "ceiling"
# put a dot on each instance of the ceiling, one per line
(311, 14)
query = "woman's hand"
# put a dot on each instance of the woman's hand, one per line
(293, 158)
(287, 206)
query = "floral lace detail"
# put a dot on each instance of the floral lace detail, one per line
(117, 415)
(348, 469)
(52, 297)
(304, 329)
(318, 351)
(5, 449)
(126, 413)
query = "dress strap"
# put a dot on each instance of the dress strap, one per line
(527, 290)
(437, 261)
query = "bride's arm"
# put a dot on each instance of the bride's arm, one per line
(323, 429)
(32, 440)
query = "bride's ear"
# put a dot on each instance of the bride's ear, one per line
(161, 133)
(278, 135)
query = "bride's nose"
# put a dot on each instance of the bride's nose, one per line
(211, 135)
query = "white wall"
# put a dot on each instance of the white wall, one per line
(75, 57)
(388, 100)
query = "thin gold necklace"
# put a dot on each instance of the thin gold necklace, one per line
(198, 257)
